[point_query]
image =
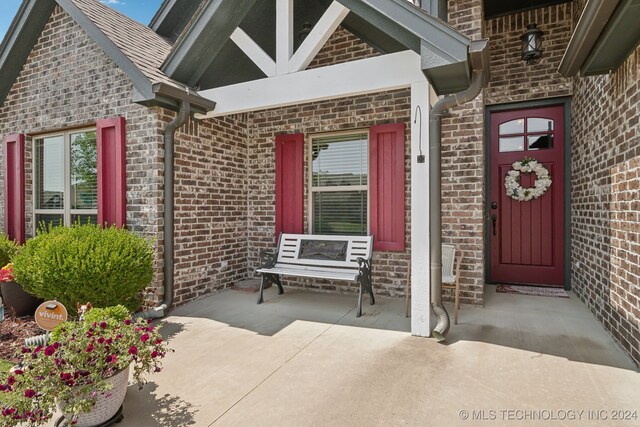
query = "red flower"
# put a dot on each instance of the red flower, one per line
(89, 348)
(49, 350)
(154, 354)
(144, 338)
(18, 372)
(110, 359)
(6, 274)
(127, 322)
(29, 393)
(158, 341)
(103, 325)
(133, 350)
(8, 411)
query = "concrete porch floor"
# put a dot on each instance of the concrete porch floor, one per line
(304, 359)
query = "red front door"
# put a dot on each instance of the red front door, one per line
(527, 236)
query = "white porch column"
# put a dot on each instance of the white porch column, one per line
(420, 289)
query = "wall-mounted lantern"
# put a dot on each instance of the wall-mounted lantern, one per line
(532, 44)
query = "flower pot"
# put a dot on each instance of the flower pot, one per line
(107, 406)
(14, 297)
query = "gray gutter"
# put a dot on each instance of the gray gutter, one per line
(414, 28)
(204, 38)
(161, 14)
(171, 97)
(479, 58)
(22, 35)
(169, 201)
(618, 39)
(168, 236)
(592, 22)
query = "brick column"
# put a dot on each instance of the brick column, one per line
(463, 168)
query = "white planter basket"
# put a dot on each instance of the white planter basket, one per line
(106, 407)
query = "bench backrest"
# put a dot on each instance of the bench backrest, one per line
(308, 249)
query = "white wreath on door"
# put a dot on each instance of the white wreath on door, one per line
(512, 180)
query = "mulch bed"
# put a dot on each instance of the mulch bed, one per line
(13, 331)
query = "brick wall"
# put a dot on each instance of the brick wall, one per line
(210, 205)
(69, 82)
(605, 200)
(389, 268)
(342, 47)
(463, 169)
(512, 79)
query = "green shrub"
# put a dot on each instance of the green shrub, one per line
(117, 313)
(8, 249)
(86, 263)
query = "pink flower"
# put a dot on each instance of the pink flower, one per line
(8, 411)
(133, 350)
(144, 338)
(29, 393)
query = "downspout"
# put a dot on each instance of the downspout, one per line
(479, 66)
(169, 204)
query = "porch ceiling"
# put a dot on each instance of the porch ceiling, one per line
(205, 56)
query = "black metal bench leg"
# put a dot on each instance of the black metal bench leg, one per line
(263, 282)
(373, 298)
(359, 312)
(277, 280)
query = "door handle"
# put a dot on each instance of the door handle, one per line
(494, 220)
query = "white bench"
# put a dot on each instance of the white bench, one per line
(321, 257)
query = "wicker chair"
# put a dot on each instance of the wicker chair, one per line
(451, 276)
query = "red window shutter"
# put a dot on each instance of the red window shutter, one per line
(14, 187)
(112, 198)
(386, 169)
(289, 183)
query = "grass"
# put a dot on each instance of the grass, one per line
(5, 365)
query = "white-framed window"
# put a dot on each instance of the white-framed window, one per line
(65, 184)
(339, 183)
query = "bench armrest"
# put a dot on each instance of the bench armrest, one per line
(268, 259)
(362, 262)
